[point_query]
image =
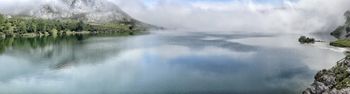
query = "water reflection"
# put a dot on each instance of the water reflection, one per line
(161, 63)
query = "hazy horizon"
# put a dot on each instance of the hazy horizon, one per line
(205, 47)
(264, 16)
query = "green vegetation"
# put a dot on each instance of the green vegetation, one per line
(304, 39)
(336, 79)
(343, 84)
(341, 43)
(31, 27)
(341, 75)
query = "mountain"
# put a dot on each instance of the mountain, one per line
(99, 11)
(343, 31)
(92, 11)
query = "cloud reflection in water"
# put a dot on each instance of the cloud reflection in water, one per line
(160, 63)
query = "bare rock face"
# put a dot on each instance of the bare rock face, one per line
(343, 31)
(97, 11)
(333, 81)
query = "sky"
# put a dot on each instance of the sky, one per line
(268, 16)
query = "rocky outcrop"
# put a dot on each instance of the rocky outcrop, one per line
(343, 32)
(332, 81)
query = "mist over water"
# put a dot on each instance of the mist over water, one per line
(164, 62)
(228, 47)
(287, 16)
(282, 16)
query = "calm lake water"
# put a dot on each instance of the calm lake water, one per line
(163, 62)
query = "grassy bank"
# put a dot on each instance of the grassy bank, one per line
(341, 43)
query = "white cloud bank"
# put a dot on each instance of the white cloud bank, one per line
(303, 16)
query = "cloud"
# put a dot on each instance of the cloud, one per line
(18, 6)
(270, 16)
(304, 16)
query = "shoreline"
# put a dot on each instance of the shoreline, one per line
(67, 33)
(334, 80)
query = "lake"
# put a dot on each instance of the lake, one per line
(162, 62)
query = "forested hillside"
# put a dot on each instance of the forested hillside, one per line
(27, 26)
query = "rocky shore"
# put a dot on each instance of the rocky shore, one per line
(335, 80)
(332, 81)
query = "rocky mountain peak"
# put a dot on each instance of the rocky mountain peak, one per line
(347, 14)
(343, 32)
(97, 11)
(88, 4)
(74, 2)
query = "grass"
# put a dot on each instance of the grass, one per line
(343, 84)
(341, 43)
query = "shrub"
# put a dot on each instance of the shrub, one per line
(304, 39)
(53, 32)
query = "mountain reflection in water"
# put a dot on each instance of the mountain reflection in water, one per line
(161, 63)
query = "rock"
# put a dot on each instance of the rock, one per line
(98, 11)
(343, 32)
(332, 81)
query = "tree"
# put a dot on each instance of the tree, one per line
(304, 39)
(42, 26)
(80, 26)
(2, 18)
(22, 27)
(2, 23)
(32, 28)
(8, 29)
(53, 32)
